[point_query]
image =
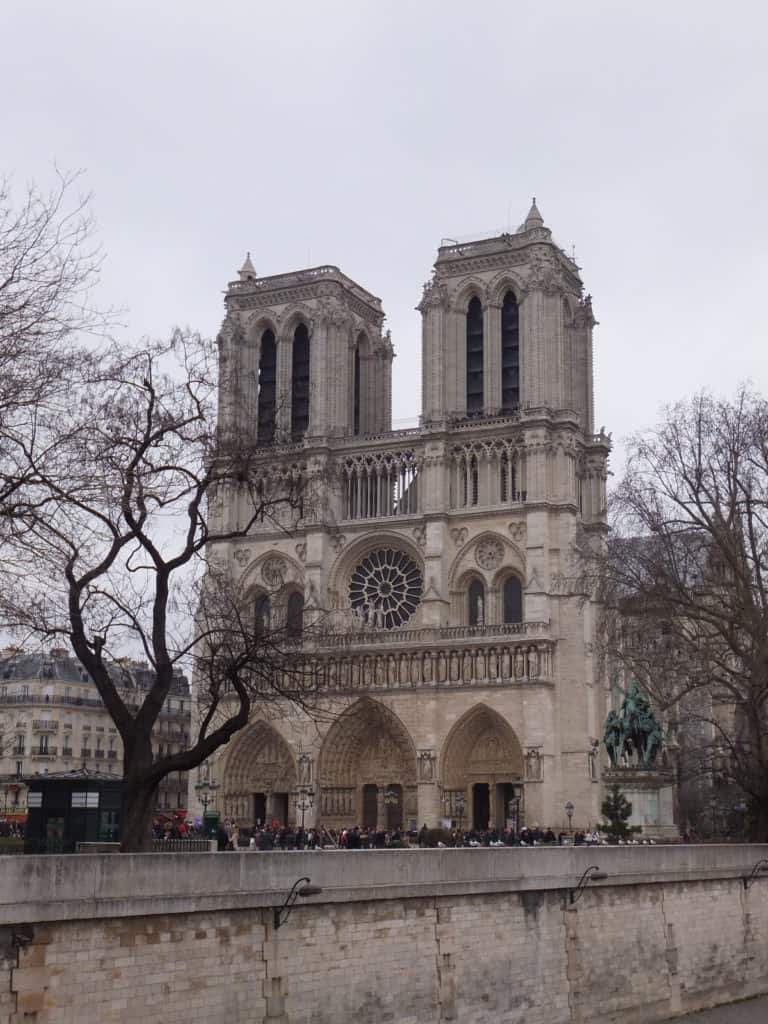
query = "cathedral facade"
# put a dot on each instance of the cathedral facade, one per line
(455, 651)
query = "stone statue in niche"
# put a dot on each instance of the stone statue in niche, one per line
(592, 760)
(519, 664)
(305, 769)
(533, 663)
(533, 766)
(426, 766)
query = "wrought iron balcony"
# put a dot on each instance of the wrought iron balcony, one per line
(45, 725)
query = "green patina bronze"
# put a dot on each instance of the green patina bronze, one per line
(633, 731)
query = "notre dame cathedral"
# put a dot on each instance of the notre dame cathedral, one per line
(459, 663)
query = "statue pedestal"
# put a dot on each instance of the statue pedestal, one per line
(651, 793)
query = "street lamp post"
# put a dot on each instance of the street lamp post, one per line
(206, 792)
(569, 809)
(305, 803)
(391, 799)
(514, 812)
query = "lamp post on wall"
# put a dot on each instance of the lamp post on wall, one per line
(569, 809)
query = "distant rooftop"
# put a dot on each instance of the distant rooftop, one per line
(59, 665)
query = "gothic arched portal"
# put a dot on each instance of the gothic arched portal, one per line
(482, 761)
(367, 769)
(259, 776)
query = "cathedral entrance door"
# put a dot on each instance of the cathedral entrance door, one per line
(370, 805)
(259, 808)
(280, 807)
(481, 805)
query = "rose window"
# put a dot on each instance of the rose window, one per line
(385, 588)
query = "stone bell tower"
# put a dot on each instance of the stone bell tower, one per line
(303, 355)
(506, 326)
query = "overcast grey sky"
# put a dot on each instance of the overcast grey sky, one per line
(361, 133)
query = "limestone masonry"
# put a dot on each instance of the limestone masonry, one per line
(435, 563)
(412, 936)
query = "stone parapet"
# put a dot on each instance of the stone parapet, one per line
(50, 888)
(411, 937)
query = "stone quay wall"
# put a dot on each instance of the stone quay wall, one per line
(482, 936)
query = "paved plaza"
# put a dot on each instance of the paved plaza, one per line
(752, 1011)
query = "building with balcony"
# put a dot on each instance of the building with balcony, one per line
(52, 720)
(436, 564)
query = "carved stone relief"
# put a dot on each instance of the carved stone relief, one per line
(273, 571)
(489, 553)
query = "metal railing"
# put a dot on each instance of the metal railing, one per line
(181, 845)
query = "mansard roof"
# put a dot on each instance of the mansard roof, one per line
(58, 665)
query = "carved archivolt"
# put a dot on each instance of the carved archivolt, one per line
(481, 747)
(367, 744)
(471, 555)
(469, 288)
(259, 761)
(294, 315)
(271, 572)
(504, 282)
(261, 320)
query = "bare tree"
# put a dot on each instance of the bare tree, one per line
(119, 540)
(49, 267)
(684, 587)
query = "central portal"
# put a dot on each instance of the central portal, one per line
(481, 806)
(370, 805)
(367, 770)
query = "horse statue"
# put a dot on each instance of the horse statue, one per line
(613, 737)
(634, 732)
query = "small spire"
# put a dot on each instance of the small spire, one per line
(247, 272)
(534, 218)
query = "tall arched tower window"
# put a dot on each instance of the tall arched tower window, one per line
(356, 395)
(294, 619)
(513, 600)
(476, 600)
(475, 397)
(300, 382)
(267, 385)
(510, 353)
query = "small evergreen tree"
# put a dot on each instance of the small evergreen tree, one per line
(617, 811)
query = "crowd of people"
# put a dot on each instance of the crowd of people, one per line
(231, 836)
